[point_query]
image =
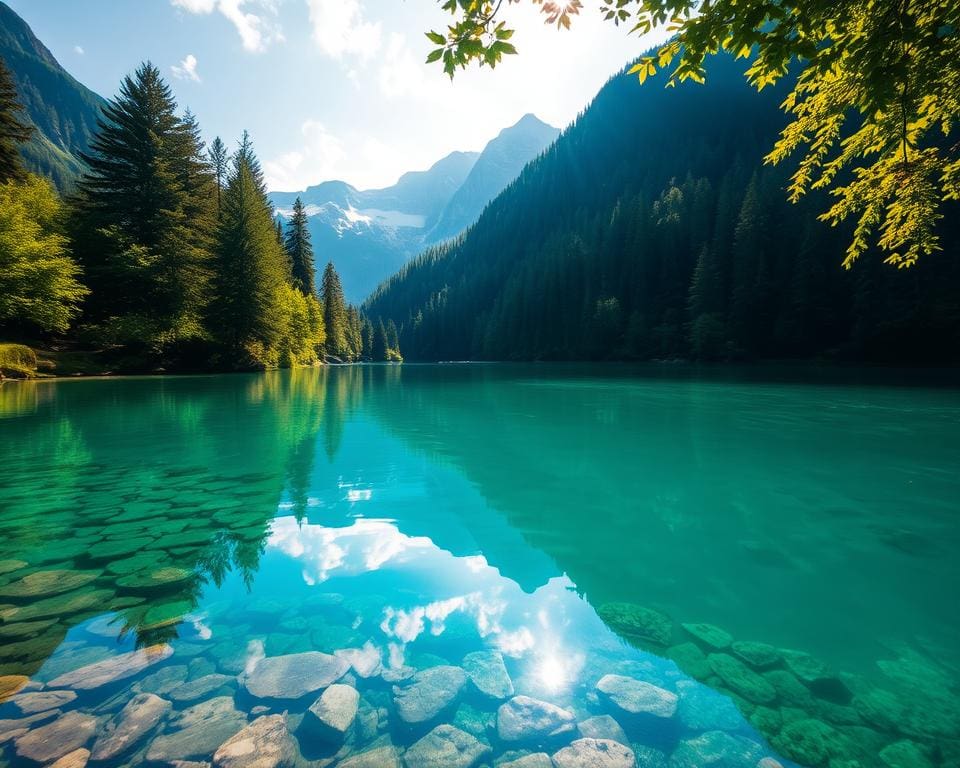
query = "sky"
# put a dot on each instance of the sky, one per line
(333, 89)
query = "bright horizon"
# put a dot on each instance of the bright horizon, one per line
(360, 105)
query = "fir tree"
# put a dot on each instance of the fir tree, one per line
(297, 243)
(380, 344)
(144, 216)
(248, 314)
(334, 313)
(219, 159)
(13, 131)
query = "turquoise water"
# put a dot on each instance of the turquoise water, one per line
(575, 522)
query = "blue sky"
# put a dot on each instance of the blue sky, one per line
(332, 88)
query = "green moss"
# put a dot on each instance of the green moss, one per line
(637, 623)
(757, 655)
(905, 754)
(810, 742)
(741, 679)
(690, 659)
(709, 636)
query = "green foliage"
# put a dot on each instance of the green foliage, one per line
(873, 108)
(299, 250)
(334, 314)
(669, 240)
(144, 217)
(13, 131)
(17, 361)
(219, 158)
(39, 281)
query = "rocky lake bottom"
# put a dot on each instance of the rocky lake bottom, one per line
(269, 571)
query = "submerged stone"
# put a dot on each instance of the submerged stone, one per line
(602, 727)
(264, 743)
(157, 579)
(294, 675)
(905, 754)
(60, 606)
(202, 686)
(703, 709)
(429, 693)
(790, 691)
(365, 661)
(757, 655)
(25, 628)
(198, 731)
(10, 684)
(594, 753)
(810, 742)
(40, 701)
(380, 757)
(125, 731)
(527, 719)
(636, 697)
(46, 583)
(113, 669)
(534, 760)
(741, 679)
(817, 676)
(637, 622)
(52, 741)
(446, 747)
(709, 635)
(162, 681)
(691, 660)
(716, 749)
(488, 674)
(76, 759)
(332, 715)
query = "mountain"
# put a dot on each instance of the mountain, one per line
(370, 234)
(499, 164)
(63, 111)
(651, 229)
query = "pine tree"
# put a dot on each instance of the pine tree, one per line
(219, 159)
(380, 345)
(13, 131)
(334, 313)
(143, 217)
(367, 334)
(297, 243)
(393, 338)
(248, 314)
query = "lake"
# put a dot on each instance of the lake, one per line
(470, 565)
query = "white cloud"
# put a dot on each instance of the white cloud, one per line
(319, 156)
(78, 49)
(257, 30)
(186, 69)
(339, 28)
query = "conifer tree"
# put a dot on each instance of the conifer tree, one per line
(144, 216)
(297, 243)
(219, 158)
(334, 313)
(248, 314)
(393, 340)
(367, 336)
(13, 131)
(380, 345)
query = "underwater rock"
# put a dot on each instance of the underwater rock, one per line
(526, 719)
(113, 669)
(446, 747)
(16, 727)
(880, 708)
(790, 691)
(331, 716)
(47, 583)
(112, 550)
(429, 693)
(76, 759)
(708, 635)
(294, 675)
(59, 606)
(741, 679)
(365, 661)
(594, 753)
(40, 701)
(397, 674)
(809, 742)
(905, 754)
(767, 720)
(488, 674)
(379, 757)
(716, 749)
(817, 676)
(198, 731)
(52, 741)
(636, 697)
(9, 566)
(703, 709)
(757, 655)
(264, 743)
(637, 622)
(202, 686)
(140, 716)
(691, 660)
(156, 579)
(602, 727)
(162, 681)
(10, 684)
(534, 760)
(475, 721)
(25, 628)
(649, 757)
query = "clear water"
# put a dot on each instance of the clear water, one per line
(419, 514)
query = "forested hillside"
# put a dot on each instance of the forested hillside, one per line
(63, 111)
(652, 229)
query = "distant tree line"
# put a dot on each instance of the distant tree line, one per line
(652, 230)
(167, 251)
